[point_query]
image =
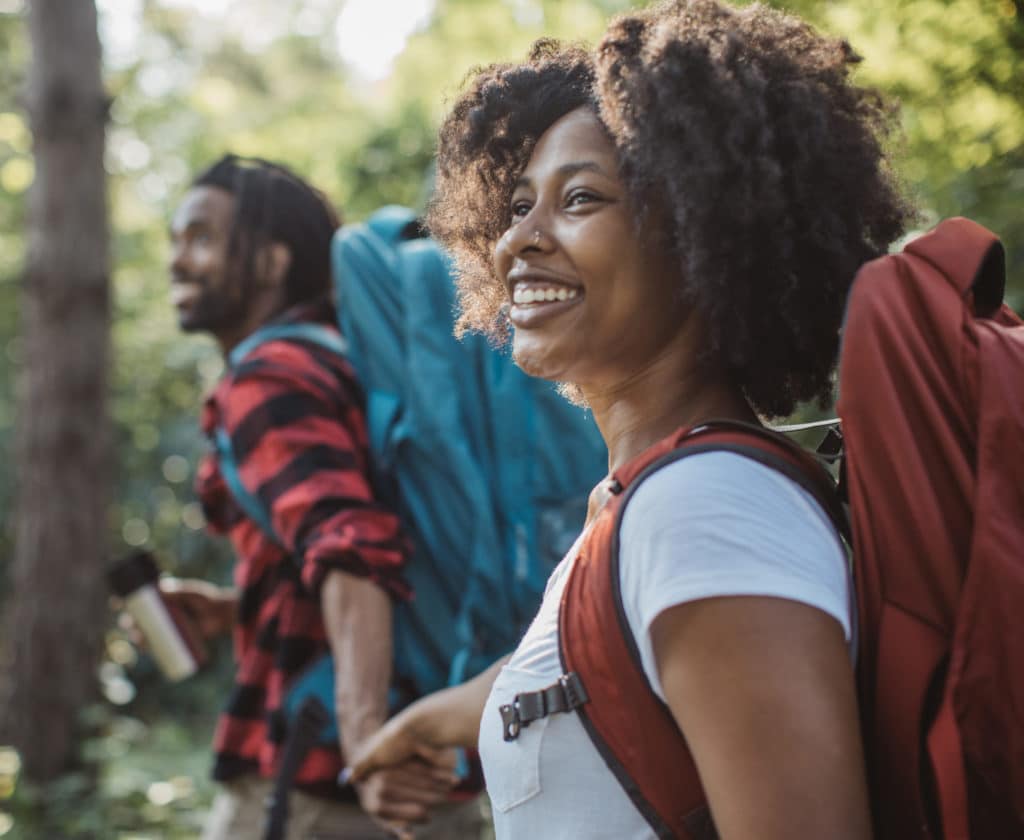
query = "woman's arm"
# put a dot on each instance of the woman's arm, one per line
(763, 690)
(446, 718)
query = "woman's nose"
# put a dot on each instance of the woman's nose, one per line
(525, 236)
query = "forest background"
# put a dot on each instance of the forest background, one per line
(349, 94)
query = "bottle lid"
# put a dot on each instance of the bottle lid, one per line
(129, 573)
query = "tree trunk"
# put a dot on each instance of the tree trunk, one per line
(56, 612)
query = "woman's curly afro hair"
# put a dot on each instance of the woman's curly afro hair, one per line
(744, 126)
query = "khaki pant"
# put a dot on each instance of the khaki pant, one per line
(239, 811)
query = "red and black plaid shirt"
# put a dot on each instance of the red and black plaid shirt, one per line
(293, 412)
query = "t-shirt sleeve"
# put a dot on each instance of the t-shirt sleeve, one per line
(719, 524)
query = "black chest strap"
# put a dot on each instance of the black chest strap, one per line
(563, 696)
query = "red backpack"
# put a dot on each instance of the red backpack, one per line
(932, 409)
(931, 383)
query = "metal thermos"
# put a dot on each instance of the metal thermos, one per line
(134, 580)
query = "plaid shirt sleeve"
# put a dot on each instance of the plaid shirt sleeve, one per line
(299, 437)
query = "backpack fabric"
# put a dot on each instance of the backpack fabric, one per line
(931, 383)
(488, 468)
(932, 409)
(632, 729)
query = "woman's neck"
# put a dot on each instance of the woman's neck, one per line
(652, 404)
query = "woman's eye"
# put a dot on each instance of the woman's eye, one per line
(520, 209)
(579, 197)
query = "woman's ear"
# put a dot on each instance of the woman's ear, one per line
(273, 262)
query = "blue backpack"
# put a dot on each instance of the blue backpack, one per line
(488, 469)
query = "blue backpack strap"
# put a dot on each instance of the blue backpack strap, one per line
(250, 504)
(318, 334)
(394, 224)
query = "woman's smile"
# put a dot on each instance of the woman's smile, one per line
(526, 295)
(537, 298)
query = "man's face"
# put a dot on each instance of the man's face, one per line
(204, 289)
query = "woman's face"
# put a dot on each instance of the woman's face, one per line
(594, 302)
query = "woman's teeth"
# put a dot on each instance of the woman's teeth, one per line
(542, 295)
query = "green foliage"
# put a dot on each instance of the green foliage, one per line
(465, 34)
(145, 757)
(151, 785)
(956, 67)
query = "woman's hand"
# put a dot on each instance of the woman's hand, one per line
(401, 770)
(403, 739)
(406, 794)
(446, 718)
(398, 776)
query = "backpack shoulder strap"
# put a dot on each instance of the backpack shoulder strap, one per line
(632, 729)
(318, 334)
(767, 447)
(250, 504)
(394, 223)
(321, 335)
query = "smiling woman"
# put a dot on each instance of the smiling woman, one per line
(743, 143)
(670, 225)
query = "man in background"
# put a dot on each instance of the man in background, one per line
(251, 250)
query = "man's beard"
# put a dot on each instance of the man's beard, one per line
(210, 309)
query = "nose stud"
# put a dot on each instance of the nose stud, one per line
(536, 238)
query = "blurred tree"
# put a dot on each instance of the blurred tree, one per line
(15, 173)
(62, 453)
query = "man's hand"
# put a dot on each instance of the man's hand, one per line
(422, 730)
(201, 609)
(398, 742)
(209, 608)
(404, 795)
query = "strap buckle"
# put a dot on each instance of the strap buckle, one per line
(563, 696)
(510, 722)
(575, 694)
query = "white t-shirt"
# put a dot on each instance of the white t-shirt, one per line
(742, 529)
